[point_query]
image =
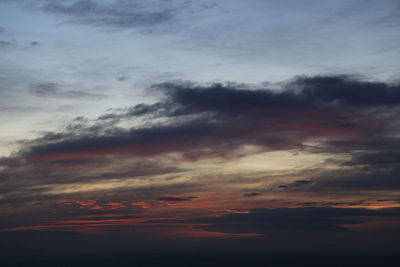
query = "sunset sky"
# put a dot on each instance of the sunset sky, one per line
(164, 125)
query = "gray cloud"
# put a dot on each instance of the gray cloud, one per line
(357, 180)
(6, 44)
(120, 14)
(53, 90)
(385, 158)
(19, 179)
(175, 199)
(251, 194)
(295, 221)
(296, 183)
(233, 100)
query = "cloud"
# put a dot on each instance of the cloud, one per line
(251, 194)
(175, 198)
(53, 90)
(357, 180)
(6, 44)
(377, 159)
(217, 120)
(22, 181)
(303, 96)
(295, 221)
(116, 14)
(296, 183)
(334, 115)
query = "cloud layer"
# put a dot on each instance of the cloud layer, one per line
(93, 167)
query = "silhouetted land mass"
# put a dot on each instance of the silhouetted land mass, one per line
(209, 260)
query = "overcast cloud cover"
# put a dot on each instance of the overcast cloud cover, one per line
(182, 126)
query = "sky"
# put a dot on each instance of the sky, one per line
(132, 126)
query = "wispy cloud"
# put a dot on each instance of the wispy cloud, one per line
(295, 221)
(6, 44)
(117, 14)
(53, 90)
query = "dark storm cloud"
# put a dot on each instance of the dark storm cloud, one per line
(53, 90)
(301, 94)
(376, 159)
(346, 91)
(304, 92)
(141, 142)
(218, 119)
(121, 14)
(158, 109)
(195, 139)
(294, 221)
